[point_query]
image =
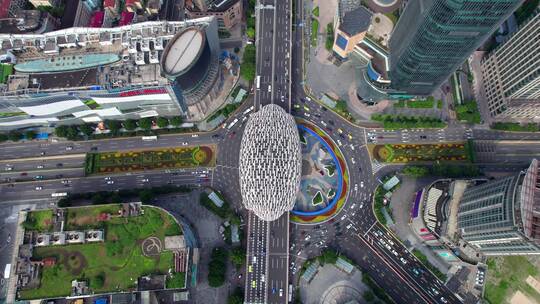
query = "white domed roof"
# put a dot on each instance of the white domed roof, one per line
(270, 163)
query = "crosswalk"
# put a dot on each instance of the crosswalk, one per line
(376, 166)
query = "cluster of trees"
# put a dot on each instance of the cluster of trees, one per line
(247, 68)
(238, 256)
(226, 110)
(16, 136)
(250, 19)
(145, 195)
(329, 36)
(510, 126)
(328, 256)
(74, 132)
(468, 112)
(441, 169)
(217, 267)
(237, 297)
(407, 122)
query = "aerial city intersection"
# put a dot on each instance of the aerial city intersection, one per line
(261, 188)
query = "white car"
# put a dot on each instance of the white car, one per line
(194, 135)
(352, 160)
(353, 205)
(307, 114)
(344, 217)
(281, 292)
(9, 168)
(69, 148)
(185, 143)
(349, 226)
(145, 180)
(403, 261)
(107, 178)
(362, 184)
(39, 188)
(352, 148)
(355, 187)
(339, 143)
(110, 182)
(40, 166)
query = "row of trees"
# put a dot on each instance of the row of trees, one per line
(247, 68)
(145, 195)
(438, 169)
(510, 126)
(16, 136)
(402, 121)
(217, 267)
(73, 132)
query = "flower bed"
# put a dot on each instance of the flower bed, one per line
(167, 158)
(404, 153)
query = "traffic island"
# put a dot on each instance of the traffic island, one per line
(323, 187)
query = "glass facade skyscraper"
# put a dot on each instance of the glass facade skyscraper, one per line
(433, 37)
(501, 217)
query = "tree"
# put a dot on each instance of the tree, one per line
(237, 297)
(97, 198)
(14, 136)
(72, 132)
(162, 122)
(113, 125)
(87, 129)
(30, 134)
(176, 121)
(328, 256)
(247, 69)
(145, 123)
(146, 196)
(130, 124)
(61, 131)
(98, 281)
(369, 296)
(415, 171)
(238, 256)
(3, 137)
(217, 267)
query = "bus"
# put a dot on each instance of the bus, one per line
(290, 293)
(7, 271)
(248, 110)
(149, 138)
(59, 194)
(258, 82)
(232, 123)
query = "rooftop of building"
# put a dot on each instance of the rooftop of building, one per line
(182, 51)
(216, 5)
(354, 17)
(24, 21)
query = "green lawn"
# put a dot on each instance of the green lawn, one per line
(315, 11)
(329, 43)
(317, 199)
(393, 122)
(119, 259)
(39, 220)
(468, 112)
(515, 127)
(314, 32)
(506, 275)
(177, 280)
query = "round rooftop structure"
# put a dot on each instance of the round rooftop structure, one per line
(270, 163)
(183, 51)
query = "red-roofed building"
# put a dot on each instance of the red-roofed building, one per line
(49, 261)
(97, 19)
(126, 18)
(133, 5)
(111, 7)
(8, 8)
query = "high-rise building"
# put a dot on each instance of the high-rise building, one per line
(228, 12)
(433, 37)
(502, 217)
(511, 75)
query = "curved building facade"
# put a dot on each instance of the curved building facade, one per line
(270, 163)
(191, 61)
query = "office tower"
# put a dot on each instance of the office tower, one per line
(511, 75)
(502, 217)
(433, 37)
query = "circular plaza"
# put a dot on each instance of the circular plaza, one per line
(323, 185)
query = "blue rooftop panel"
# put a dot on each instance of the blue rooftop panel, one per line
(341, 42)
(66, 63)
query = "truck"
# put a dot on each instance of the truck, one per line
(232, 123)
(58, 194)
(7, 271)
(149, 138)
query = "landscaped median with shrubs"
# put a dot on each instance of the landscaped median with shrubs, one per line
(404, 153)
(515, 127)
(165, 158)
(407, 122)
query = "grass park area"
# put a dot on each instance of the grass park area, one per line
(40, 220)
(314, 32)
(507, 275)
(515, 127)
(127, 161)
(112, 265)
(427, 103)
(404, 153)
(468, 112)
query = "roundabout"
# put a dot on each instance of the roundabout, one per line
(323, 185)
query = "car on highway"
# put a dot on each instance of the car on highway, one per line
(403, 261)
(194, 135)
(38, 188)
(110, 182)
(94, 149)
(253, 284)
(107, 178)
(352, 160)
(340, 131)
(38, 177)
(344, 217)
(69, 148)
(349, 136)
(361, 184)
(42, 153)
(216, 136)
(40, 166)
(443, 300)
(145, 180)
(306, 114)
(59, 165)
(281, 292)
(8, 168)
(339, 143)
(185, 143)
(66, 181)
(250, 268)
(306, 109)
